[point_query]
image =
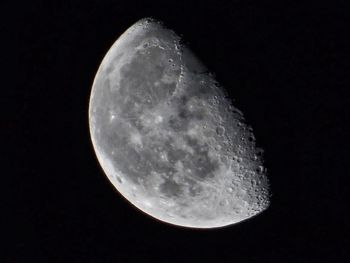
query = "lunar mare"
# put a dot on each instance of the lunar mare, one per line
(168, 137)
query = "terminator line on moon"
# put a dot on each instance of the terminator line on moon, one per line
(168, 137)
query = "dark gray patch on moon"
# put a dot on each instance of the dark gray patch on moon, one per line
(168, 137)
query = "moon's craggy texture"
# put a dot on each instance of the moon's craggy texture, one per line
(168, 137)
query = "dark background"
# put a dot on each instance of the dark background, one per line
(286, 65)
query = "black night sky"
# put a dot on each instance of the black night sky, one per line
(285, 64)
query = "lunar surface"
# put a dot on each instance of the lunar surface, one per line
(168, 137)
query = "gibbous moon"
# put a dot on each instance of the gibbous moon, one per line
(168, 137)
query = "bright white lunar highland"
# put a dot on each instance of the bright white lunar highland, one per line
(168, 137)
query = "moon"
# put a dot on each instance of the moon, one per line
(168, 137)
